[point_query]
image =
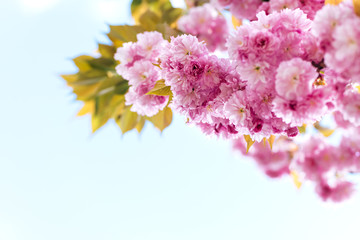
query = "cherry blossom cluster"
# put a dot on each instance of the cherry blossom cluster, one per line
(338, 33)
(137, 65)
(277, 56)
(247, 9)
(328, 166)
(285, 68)
(275, 161)
(315, 160)
(207, 24)
(200, 83)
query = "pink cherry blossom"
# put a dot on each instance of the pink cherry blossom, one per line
(145, 105)
(207, 24)
(349, 106)
(274, 162)
(339, 192)
(295, 78)
(278, 5)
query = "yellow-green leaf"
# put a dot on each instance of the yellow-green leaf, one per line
(149, 20)
(296, 179)
(333, 2)
(171, 15)
(128, 120)
(104, 64)
(139, 7)
(302, 129)
(358, 88)
(160, 89)
(107, 51)
(236, 22)
(195, 3)
(86, 92)
(162, 119)
(326, 132)
(69, 78)
(140, 124)
(106, 107)
(271, 141)
(121, 88)
(97, 122)
(357, 7)
(87, 108)
(124, 33)
(249, 142)
(82, 63)
(167, 31)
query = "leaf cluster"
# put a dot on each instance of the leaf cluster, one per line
(102, 90)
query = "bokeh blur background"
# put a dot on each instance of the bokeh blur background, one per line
(58, 181)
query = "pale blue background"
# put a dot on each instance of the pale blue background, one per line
(57, 181)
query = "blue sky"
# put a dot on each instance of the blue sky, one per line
(58, 181)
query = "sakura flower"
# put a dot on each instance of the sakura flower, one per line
(264, 42)
(294, 79)
(151, 43)
(277, 5)
(236, 109)
(338, 36)
(349, 151)
(309, 7)
(239, 8)
(145, 105)
(345, 53)
(128, 54)
(339, 192)
(137, 65)
(315, 158)
(207, 24)
(307, 110)
(326, 21)
(219, 127)
(274, 162)
(257, 74)
(143, 71)
(349, 106)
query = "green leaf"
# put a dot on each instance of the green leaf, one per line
(149, 20)
(125, 33)
(302, 129)
(69, 78)
(86, 92)
(128, 120)
(160, 89)
(104, 64)
(167, 31)
(105, 107)
(88, 107)
(139, 7)
(109, 84)
(172, 15)
(82, 63)
(140, 125)
(107, 51)
(89, 81)
(121, 88)
(161, 120)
